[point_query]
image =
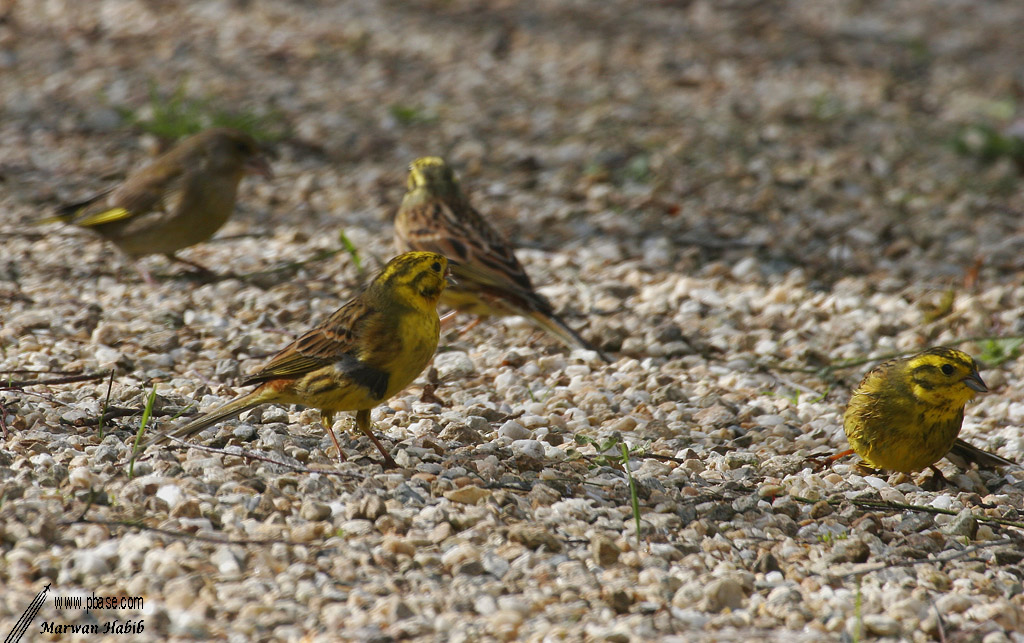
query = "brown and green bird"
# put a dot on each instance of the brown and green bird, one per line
(180, 199)
(435, 216)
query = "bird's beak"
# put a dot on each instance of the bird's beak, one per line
(259, 165)
(975, 383)
(448, 279)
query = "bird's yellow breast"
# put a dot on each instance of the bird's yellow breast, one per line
(418, 335)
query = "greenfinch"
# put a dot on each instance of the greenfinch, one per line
(180, 199)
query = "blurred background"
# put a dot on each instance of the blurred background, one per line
(841, 138)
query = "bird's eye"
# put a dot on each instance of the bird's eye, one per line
(436, 266)
(947, 369)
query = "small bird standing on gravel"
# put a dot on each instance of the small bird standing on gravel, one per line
(436, 216)
(906, 413)
(364, 353)
(180, 199)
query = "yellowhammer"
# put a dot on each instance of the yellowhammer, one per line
(365, 352)
(907, 413)
(435, 216)
(180, 199)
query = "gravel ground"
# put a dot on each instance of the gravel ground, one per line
(734, 197)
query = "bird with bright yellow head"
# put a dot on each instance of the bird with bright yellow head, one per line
(906, 413)
(364, 353)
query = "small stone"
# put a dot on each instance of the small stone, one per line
(244, 432)
(505, 624)
(534, 537)
(820, 509)
(470, 494)
(604, 550)
(459, 554)
(881, 625)
(767, 562)
(853, 550)
(868, 523)
(369, 507)
(786, 507)
(356, 527)
(441, 532)
(273, 414)
(309, 531)
(226, 562)
(953, 603)
(495, 565)
(529, 448)
(397, 546)
(771, 490)
(620, 601)
(514, 431)
(714, 416)
(398, 610)
(485, 605)
(964, 524)
(453, 365)
(171, 494)
(723, 593)
(81, 478)
(469, 568)
(313, 510)
(1007, 556)
(460, 432)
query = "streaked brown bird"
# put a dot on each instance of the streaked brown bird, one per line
(180, 199)
(364, 353)
(435, 216)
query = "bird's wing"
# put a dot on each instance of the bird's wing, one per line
(475, 248)
(334, 342)
(155, 188)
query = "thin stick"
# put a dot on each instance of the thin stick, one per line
(85, 377)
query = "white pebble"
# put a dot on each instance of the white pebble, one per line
(513, 431)
(528, 448)
(453, 365)
(171, 494)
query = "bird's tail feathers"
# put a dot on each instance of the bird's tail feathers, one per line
(66, 213)
(554, 325)
(226, 412)
(982, 458)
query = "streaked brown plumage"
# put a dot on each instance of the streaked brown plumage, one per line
(435, 216)
(180, 199)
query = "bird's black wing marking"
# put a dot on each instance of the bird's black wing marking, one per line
(373, 379)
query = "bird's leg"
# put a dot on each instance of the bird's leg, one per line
(202, 270)
(327, 419)
(822, 463)
(939, 477)
(146, 277)
(448, 319)
(470, 326)
(832, 458)
(363, 422)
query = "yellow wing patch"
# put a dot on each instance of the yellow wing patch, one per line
(107, 216)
